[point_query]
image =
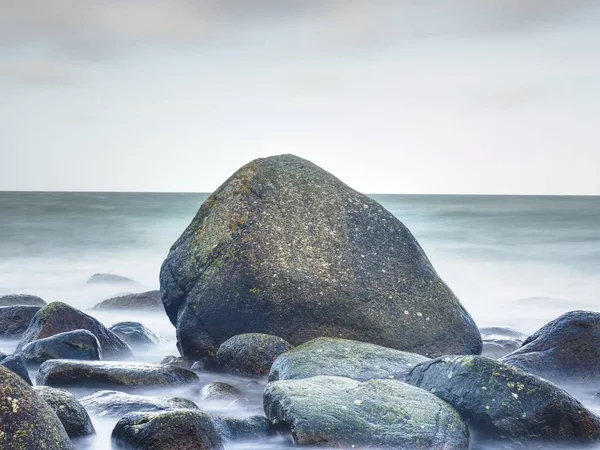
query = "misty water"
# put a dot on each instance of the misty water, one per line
(512, 261)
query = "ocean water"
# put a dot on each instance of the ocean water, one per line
(512, 261)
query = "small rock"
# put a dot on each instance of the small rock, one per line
(117, 404)
(500, 341)
(221, 392)
(109, 278)
(71, 413)
(21, 299)
(253, 428)
(206, 364)
(137, 335)
(177, 361)
(143, 300)
(78, 344)
(15, 364)
(14, 320)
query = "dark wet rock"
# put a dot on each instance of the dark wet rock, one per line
(109, 278)
(220, 391)
(21, 299)
(501, 402)
(177, 361)
(206, 364)
(15, 364)
(117, 404)
(70, 412)
(344, 358)
(340, 412)
(253, 428)
(565, 350)
(169, 430)
(250, 354)
(14, 320)
(78, 344)
(287, 249)
(500, 341)
(59, 317)
(26, 420)
(102, 374)
(143, 300)
(136, 334)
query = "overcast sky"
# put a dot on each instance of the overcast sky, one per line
(397, 96)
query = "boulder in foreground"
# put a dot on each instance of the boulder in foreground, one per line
(70, 412)
(78, 344)
(250, 354)
(117, 404)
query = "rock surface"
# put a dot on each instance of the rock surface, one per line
(250, 354)
(143, 300)
(26, 421)
(253, 428)
(343, 358)
(136, 334)
(70, 412)
(170, 430)
(340, 412)
(21, 299)
(218, 390)
(287, 249)
(177, 361)
(117, 404)
(500, 341)
(501, 402)
(78, 344)
(102, 374)
(59, 317)
(15, 364)
(109, 278)
(14, 320)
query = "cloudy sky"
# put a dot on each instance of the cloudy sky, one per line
(402, 96)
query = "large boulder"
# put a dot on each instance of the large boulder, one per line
(15, 364)
(143, 300)
(78, 344)
(250, 354)
(59, 317)
(26, 421)
(14, 320)
(565, 350)
(500, 341)
(287, 249)
(500, 402)
(106, 375)
(21, 299)
(168, 430)
(344, 358)
(70, 412)
(340, 412)
(117, 404)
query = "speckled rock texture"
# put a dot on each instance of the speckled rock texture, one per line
(500, 402)
(170, 430)
(565, 350)
(285, 248)
(59, 317)
(15, 364)
(70, 412)
(500, 341)
(21, 299)
(26, 420)
(102, 374)
(251, 354)
(78, 344)
(340, 412)
(117, 404)
(14, 320)
(344, 358)
(136, 334)
(143, 300)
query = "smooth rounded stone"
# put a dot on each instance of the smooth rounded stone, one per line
(14, 320)
(168, 430)
(70, 412)
(78, 344)
(21, 300)
(285, 248)
(220, 391)
(500, 341)
(143, 300)
(26, 421)
(117, 404)
(500, 402)
(565, 350)
(340, 412)
(136, 334)
(103, 374)
(109, 278)
(15, 364)
(177, 361)
(253, 428)
(59, 317)
(344, 358)
(250, 354)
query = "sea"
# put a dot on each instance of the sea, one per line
(513, 261)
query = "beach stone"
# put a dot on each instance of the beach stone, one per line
(177, 361)
(500, 402)
(565, 350)
(26, 421)
(78, 344)
(167, 430)
(253, 428)
(220, 391)
(21, 299)
(136, 334)
(250, 354)
(500, 341)
(59, 317)
(143, 300)
(109, 278)
(15, 364)
(117, 404)
(105, 375)
(285, 248)
(14, 320)
(343, 358)
(340, 412)
(70, 412)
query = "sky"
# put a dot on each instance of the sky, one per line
(391, 96)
